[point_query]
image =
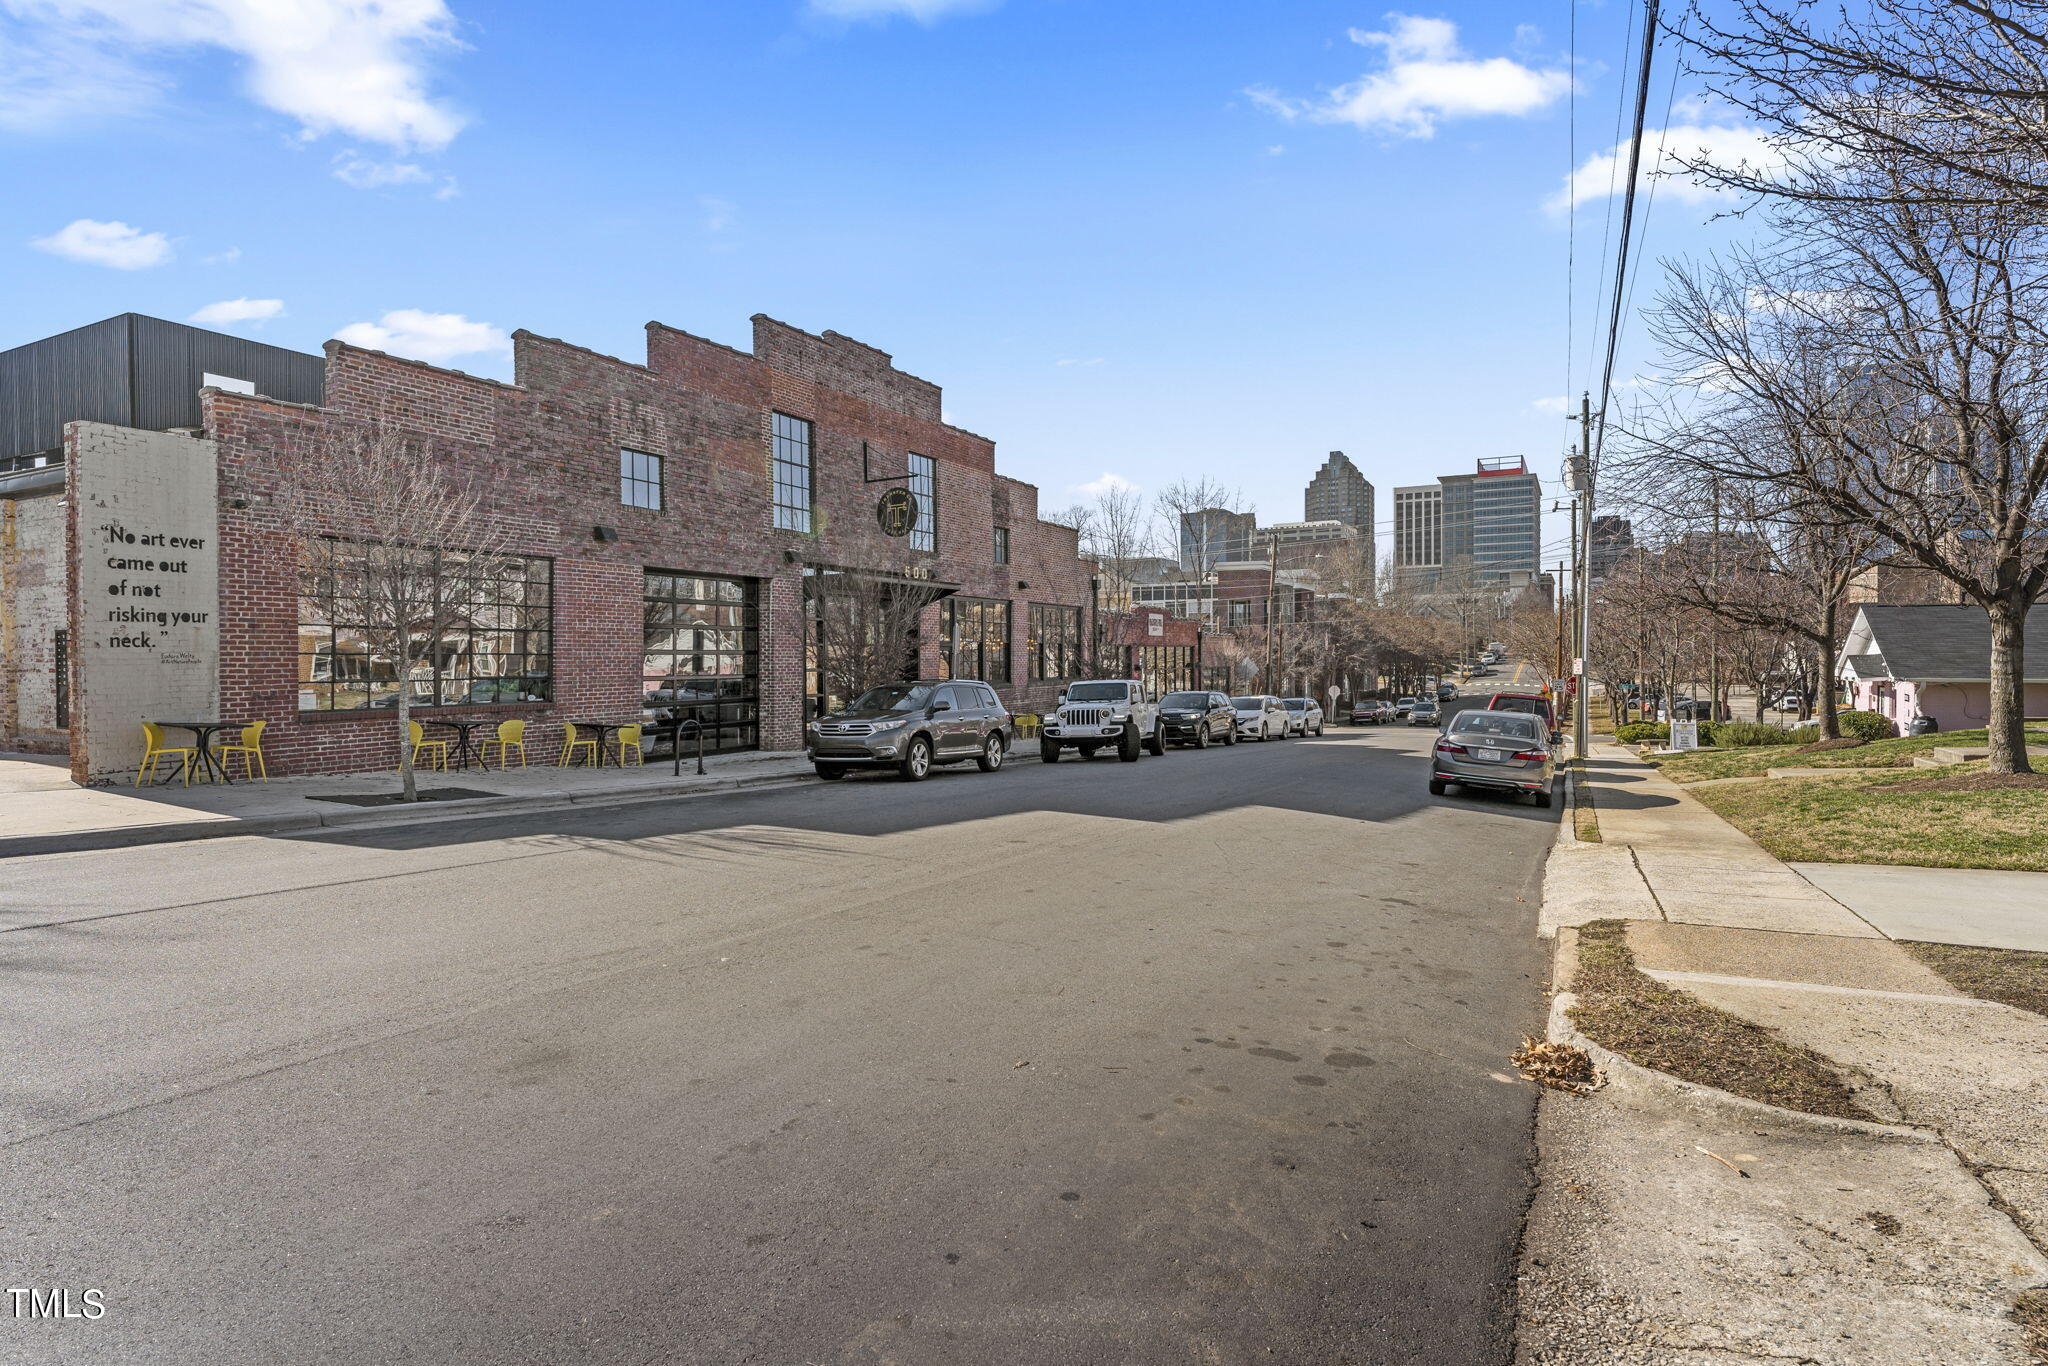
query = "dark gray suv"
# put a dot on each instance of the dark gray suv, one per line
(1198, 718)
(912, 726)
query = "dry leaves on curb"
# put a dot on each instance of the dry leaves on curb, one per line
(1559, 1066)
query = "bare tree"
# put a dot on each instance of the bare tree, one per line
(1191, 498)
(1948, 91)
(1894, 356)
(863, 622)
(397, 547)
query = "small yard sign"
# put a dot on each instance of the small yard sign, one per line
(1685, 735)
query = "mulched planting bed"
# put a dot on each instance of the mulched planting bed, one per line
(1658, 1026)
(427, 794)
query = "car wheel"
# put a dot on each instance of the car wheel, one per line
(993, 751)
(917, 760)
(831, 773)
(1128, 745)
(1542, 798)
(1230, 736)
(1436, 788)
(1048, 752)
(1202, 736)
(1319, 731)
(1157, 744)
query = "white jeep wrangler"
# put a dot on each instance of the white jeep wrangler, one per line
(1103, 713)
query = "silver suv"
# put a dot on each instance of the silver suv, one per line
(912, 726)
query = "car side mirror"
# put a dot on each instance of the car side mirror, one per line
(1557, 737)
(938, 707)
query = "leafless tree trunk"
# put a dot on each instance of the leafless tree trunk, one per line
(1190, 497)
(396, 538)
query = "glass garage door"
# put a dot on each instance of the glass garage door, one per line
(703, 657)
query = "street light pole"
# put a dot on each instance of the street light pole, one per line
(1582, 484)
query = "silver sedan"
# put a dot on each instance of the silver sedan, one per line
(1499, 749)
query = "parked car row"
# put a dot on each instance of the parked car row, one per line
(917, 726)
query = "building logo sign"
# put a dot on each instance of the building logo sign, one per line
(896, 512)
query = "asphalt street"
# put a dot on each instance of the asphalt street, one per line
(1198, 1059)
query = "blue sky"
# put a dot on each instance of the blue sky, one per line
(1140, 238)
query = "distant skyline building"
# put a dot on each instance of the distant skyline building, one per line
(1613, 538)
(1489, 521)
(1493, 520)
(1340, 492)
(1209, 536)
(1418, 532)
(1312, 545)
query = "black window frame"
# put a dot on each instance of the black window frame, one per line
(1002, 545)
(970, 656)
(922, 475)
(532, 648)
(1065, 659)
(640, 478)
(721, 614)
(789, 433)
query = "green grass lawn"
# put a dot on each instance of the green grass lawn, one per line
(1855, 820)
(1754, 762)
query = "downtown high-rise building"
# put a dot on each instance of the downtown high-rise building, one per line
(1340, 492)
(1212, 536)
(1486, 525)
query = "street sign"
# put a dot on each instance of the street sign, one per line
(1685, 735)
(1332, 691)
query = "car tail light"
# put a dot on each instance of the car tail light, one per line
(1537, 754)
(1446, 747)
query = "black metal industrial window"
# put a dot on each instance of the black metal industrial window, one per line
(974, 639)
(1167, 668)
(640, 479)
(702, 658)
(793, 466)
(1052, 647)
(924, 482)
(497, 648)
(1002, 545)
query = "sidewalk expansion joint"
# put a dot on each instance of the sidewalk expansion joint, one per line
(1717, 979)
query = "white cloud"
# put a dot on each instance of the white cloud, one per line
(1108, 483)
(107, 244)
(1077, 360)
(1427, 79)
(355, 67)
(363, 173)
(434, 337)
(222, 258)
(230, 311)
(1725, 144)
(923, 11)
(1557, 406)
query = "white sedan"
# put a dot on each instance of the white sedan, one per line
(1304, 717)
(1262, 718)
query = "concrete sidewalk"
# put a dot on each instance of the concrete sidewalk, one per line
(1841, 1242)
(1988, 907)
(42, 812)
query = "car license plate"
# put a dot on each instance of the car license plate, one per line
(1491, 756)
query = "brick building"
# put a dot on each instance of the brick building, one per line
(677, 523)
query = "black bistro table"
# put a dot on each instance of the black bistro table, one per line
(604, 731)
(203, 733)
(464, 727)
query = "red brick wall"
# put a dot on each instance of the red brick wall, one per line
(548, 448)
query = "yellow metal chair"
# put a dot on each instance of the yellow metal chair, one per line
(154, 748)
(437, 749)
(570, 745)
(511, 735)
(628, 742)
(251, 750)
(1027, 724)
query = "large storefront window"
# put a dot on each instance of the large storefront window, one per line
(974, 640)
(702, 657)
(1053, 646)
(1166, 668)
(494, 645)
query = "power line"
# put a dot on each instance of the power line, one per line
(1628, 209)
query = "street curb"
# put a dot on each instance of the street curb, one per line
(181, 832)
(1634, 1076)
